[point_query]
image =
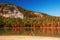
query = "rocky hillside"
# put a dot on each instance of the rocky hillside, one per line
(12, 11)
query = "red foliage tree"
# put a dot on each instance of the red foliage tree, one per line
(16, 26)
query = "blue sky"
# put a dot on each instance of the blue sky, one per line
(51, 7)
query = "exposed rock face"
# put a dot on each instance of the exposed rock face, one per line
(38, 14)
(10, 11)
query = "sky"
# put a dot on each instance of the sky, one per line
(51, 7)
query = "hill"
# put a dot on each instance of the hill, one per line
(19, 20)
